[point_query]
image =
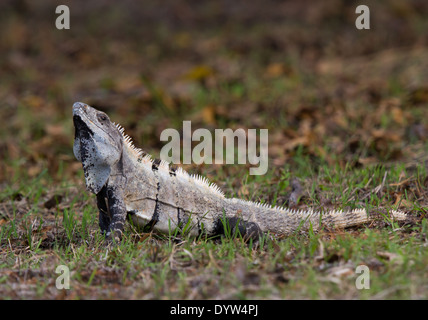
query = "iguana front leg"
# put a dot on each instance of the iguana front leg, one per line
(104, 214)
(116, 214)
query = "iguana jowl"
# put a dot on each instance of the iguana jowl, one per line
(126, 182)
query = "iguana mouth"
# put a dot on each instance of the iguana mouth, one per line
(82, 133)
(79, 117)
(80, 126)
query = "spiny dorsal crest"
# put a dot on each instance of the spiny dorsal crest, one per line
(164, 165)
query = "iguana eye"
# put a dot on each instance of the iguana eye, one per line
(102, 117)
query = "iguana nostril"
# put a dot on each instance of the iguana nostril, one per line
(80, 105)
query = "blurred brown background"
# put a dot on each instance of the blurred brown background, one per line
(299, 68)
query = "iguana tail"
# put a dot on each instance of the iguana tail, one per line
(288, 221)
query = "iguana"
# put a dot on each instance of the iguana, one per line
(157, 196)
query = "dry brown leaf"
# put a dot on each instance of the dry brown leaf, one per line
(390, 256)
(208, 114)
(55, 130)
(275, 69)
(292, 144)
(398, 115)
(199, 73)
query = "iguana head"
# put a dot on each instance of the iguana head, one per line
(97, 144)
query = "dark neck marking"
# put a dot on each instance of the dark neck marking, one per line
(155, 216)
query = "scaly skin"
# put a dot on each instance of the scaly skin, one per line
(128, 182)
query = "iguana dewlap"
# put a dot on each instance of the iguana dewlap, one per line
(127, 182)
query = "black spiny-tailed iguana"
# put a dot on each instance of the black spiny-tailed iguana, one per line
(126, 182)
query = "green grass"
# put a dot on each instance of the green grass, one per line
(35, 240)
